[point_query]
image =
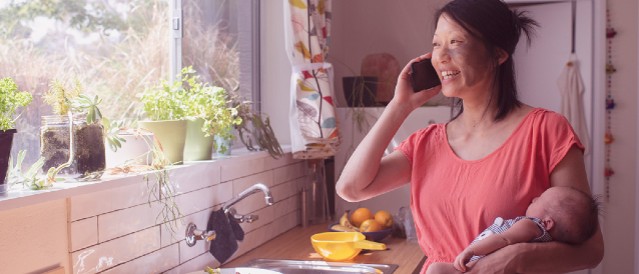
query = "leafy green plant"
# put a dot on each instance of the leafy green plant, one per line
(28, 178)
(220, 119)
(165, 101)
(10, 99)
(112, 131)
(210, 103)
(89, 105)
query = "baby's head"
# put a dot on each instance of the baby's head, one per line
(569, 215)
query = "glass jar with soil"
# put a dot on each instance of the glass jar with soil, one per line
(88, 145)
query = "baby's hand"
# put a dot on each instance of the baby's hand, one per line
(462, 259)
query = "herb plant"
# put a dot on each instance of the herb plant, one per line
(10, 99)
(165, 101)
(210, 103)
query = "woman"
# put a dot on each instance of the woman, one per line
(491, 160)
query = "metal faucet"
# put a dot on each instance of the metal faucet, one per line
(251, 190)
(193, 234)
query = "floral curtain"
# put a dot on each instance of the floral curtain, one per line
(314, 133)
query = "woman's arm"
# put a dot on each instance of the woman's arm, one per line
(552, 257)
(366, 174)
(522, 231)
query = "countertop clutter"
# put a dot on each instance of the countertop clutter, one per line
(296, 245)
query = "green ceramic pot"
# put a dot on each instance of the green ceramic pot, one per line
(197, 147)
(171, 134)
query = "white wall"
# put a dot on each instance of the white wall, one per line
(363, 27)
(275, 68)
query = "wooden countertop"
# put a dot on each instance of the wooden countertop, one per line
(295, 244)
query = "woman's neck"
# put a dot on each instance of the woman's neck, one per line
(478, 115)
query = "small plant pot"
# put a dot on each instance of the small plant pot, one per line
(222, 146)
(360, 91)
(135, 150)
(6, 139)
(88, 147)
(171, 134)
(197, 147)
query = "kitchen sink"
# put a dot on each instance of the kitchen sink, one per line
(298, 266)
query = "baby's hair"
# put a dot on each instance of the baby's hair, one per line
(585, 210)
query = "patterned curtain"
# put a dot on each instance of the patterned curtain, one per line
(314, 133)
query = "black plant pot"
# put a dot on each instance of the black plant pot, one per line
(6, 138)
(360, 91)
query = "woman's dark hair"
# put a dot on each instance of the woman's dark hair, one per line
(497, 26)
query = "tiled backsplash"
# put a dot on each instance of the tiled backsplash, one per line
(118, 231)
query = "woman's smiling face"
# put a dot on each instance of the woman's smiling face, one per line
(461, 60)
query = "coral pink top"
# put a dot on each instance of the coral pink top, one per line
(453, 200)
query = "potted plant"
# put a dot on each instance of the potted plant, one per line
(360, 91)
(128, 145)
(201, 102)
(85, 146)
(221, 120)
(164, 107)
(10, 100)
(255, 130)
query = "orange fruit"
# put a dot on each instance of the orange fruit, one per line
(360, 215)
(370, 225)
(384, 218)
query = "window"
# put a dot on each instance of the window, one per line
(116, 48)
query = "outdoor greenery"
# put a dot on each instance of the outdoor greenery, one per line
(10, 99)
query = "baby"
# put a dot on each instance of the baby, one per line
(561, 214)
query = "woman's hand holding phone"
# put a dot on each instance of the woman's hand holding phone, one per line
(423, 75)
(404, 93)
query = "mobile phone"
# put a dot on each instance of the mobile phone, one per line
(423, 75)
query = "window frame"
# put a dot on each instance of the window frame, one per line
(248, 41)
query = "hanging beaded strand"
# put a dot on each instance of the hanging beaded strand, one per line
(610, 103)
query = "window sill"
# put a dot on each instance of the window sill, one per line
(21, 198)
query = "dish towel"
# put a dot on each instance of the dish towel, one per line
(225, 243)
(235, 226)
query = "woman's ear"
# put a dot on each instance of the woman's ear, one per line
(502, 55)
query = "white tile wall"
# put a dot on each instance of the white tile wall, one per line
(105, 255)
(124, 221)
(173, 232)
(154, 262)
(83, 233)
(95, 203)
(116, 231)
(233, 170)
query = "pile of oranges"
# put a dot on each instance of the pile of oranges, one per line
(366, 221)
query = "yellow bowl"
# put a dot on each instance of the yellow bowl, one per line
(342, 246)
